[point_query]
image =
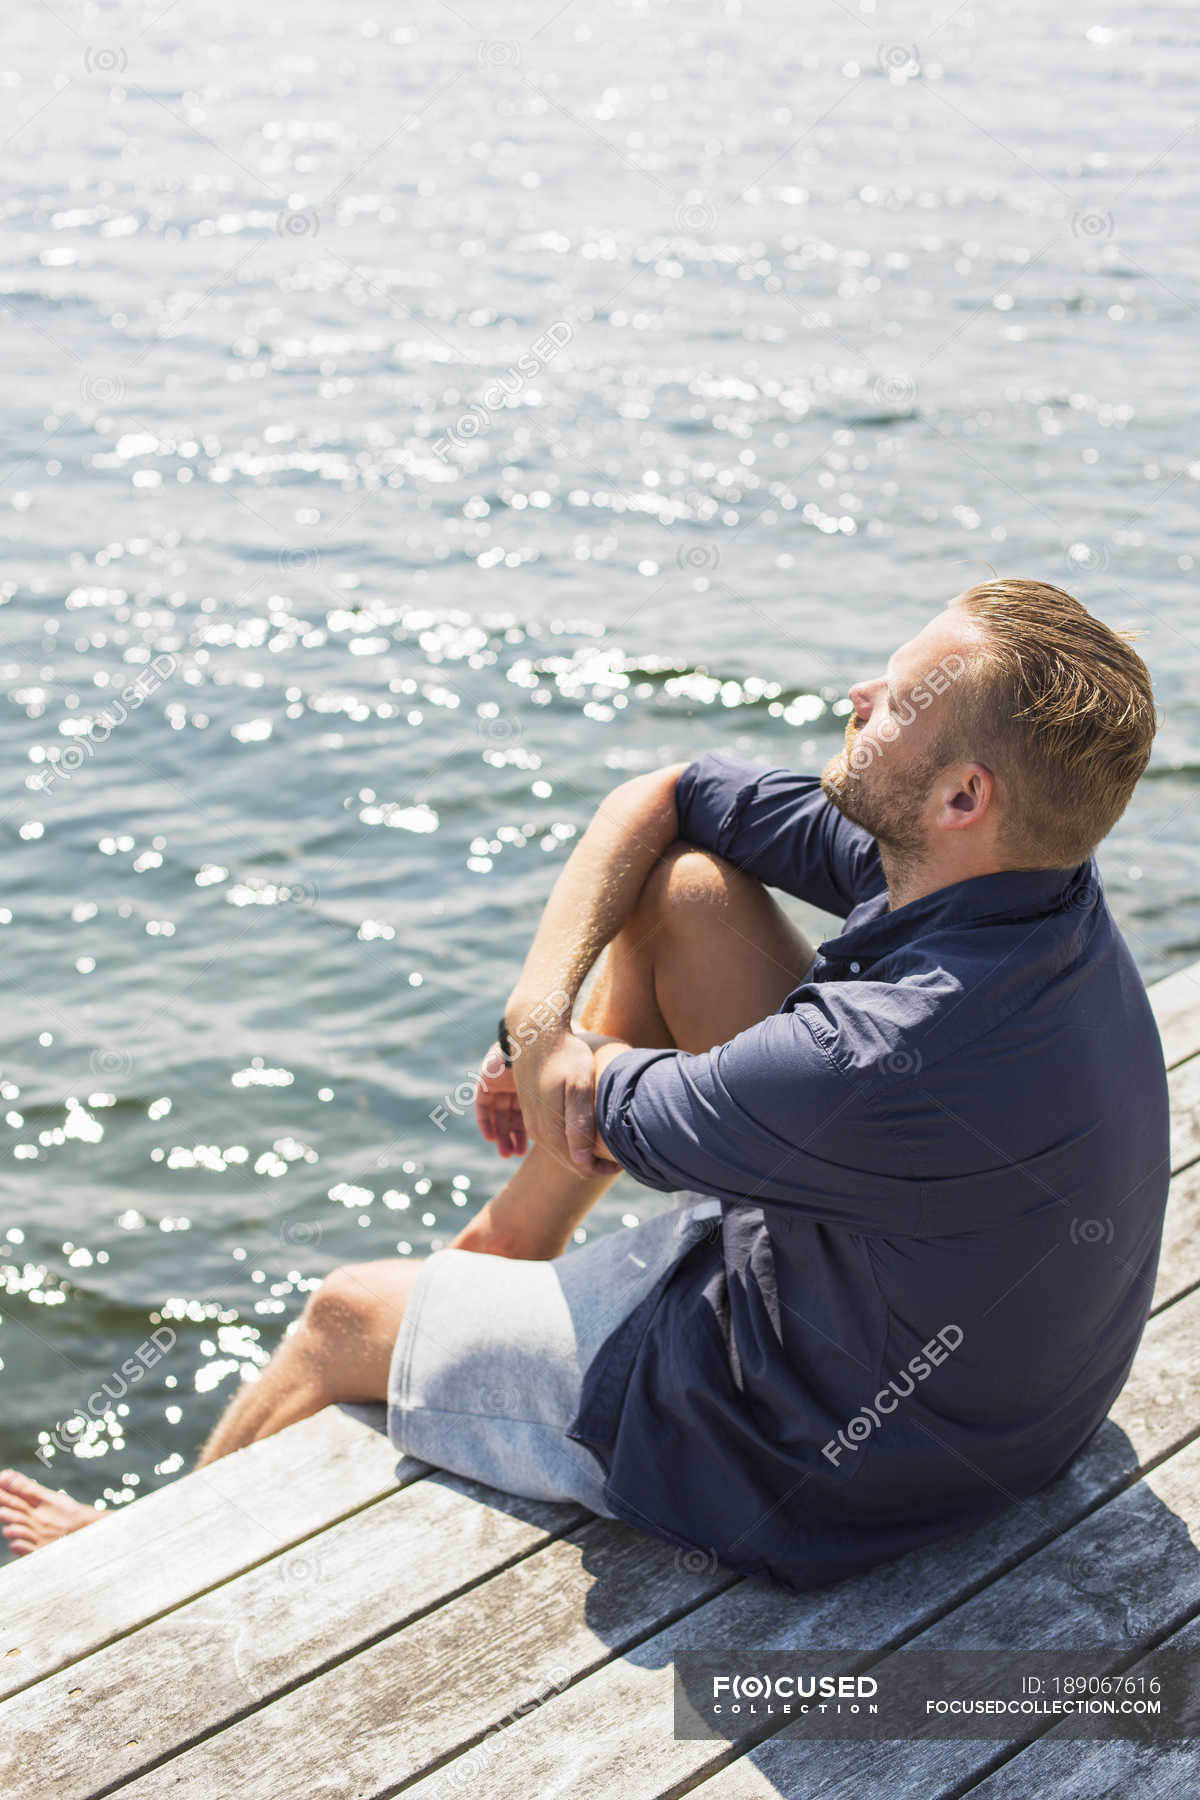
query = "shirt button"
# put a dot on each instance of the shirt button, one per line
(855, 967)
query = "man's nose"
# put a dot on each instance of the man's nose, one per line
(862, 696)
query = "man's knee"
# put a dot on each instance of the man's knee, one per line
(342, 1304)
(686, 876)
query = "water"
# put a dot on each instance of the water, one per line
(412, 429)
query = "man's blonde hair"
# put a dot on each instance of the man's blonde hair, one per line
(1061, 709)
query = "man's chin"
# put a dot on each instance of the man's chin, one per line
(838, 784)
(844, 789)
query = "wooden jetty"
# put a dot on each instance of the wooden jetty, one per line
(306, 1618)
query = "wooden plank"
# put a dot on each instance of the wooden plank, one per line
(1120, 1579)
(86, 1589)
(450, 1679)
(1176, 1003)
(114, 1713)
(1179, 1262)
(1125, 1574)
(1185, 1113)
(1116, 1770)
(1078, 1769)
(373, 1695)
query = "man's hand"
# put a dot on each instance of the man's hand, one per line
(556, 1081)
(497, 1108)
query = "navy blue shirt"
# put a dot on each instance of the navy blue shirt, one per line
(942, 1165)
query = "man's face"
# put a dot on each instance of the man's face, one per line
(883, 776)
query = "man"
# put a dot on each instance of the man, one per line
(923, 1168)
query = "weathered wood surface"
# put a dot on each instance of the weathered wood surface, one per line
(325, 1599)
(1119, 1576)
(450, 1680)
(1179, 1263)
(1185, 1113)
(1065, 1768)
(609, 1735)
(1122, 1578)
(307, 1617)
(143, 1559)
(1176, 1003)
(566, 1603)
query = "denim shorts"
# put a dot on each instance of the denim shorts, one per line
(488, 1364)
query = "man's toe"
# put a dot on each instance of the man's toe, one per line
(18, 1484)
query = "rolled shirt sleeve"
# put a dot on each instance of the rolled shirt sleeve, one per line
(778, 826)
(766, 1118)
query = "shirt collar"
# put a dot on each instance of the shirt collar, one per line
(1008, 895)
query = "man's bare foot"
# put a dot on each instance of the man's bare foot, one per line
(32, 1515)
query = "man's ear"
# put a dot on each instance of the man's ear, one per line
(967, 798)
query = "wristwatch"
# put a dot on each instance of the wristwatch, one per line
(505, 1043)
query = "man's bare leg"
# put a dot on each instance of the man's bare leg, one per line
(339, 1349)
(706, 954)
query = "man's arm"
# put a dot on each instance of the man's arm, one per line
(778, 826)
(590, 902)
(773, 1118)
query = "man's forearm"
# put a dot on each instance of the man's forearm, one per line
(597, 890)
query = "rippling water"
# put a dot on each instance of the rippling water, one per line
(414, 429)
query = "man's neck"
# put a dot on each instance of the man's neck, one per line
(911, 878)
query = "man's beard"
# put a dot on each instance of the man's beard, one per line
(887, 803)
